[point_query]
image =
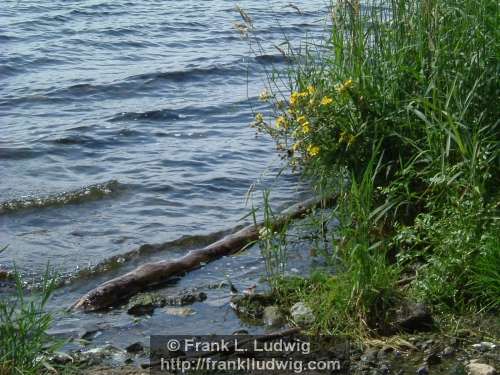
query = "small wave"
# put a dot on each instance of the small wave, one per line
(156, 115)
(85, 194)
(17, 153)
(74, 140)
(189, 74)
(269, 59)
(7, 38)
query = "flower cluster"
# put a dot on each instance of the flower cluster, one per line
(316, 122)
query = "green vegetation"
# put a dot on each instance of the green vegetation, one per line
(23, 326)
(400, 116)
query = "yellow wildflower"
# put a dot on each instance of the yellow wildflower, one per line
(311, 89)
(306, 128)
(312, 150)
(351, 140)
(259, 118)
(343, 87)
(296, 146)
(294, 97)
(326, 100)
(280, 122)
(301, 120)
(264, 96)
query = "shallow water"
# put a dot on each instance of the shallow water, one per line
(126, 123)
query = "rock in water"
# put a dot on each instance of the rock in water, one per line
(145, 303)
(185, 298)
(135, 348)
(301, 314)
(179, 311)
(476, 368)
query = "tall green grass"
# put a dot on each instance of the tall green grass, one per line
(23, 326)
(403, 106)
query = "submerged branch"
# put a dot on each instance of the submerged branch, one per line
(117, 290)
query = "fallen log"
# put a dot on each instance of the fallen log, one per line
(117, 290)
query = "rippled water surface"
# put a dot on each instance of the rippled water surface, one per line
(124, 123)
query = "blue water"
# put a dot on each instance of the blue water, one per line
(127, 123)
(153, 98)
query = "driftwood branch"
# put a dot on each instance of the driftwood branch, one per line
(120, 288)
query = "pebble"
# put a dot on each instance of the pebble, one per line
(476, 368)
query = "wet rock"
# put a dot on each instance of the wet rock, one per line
(301, 314)
(5, 275)
(107, 353)
(413, 317)
(240, 332)
(272, 316)
(185, 298)
(179, 311)
(484, 346)
(90, 333)
(145, 303)
(135, 348)
(61, 358)
(475, 368)
(423, 370)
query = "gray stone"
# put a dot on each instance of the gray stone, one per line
(61, 358)
(240, 332)
(107, 353)
(179, 311)
(475, 368)
(272, 316)
(185, 298)
(135, 348)
(301, 314)
(414, 317)
(484, 346)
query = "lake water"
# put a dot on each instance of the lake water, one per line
(127, 123)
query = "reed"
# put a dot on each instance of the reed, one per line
(400, 113)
